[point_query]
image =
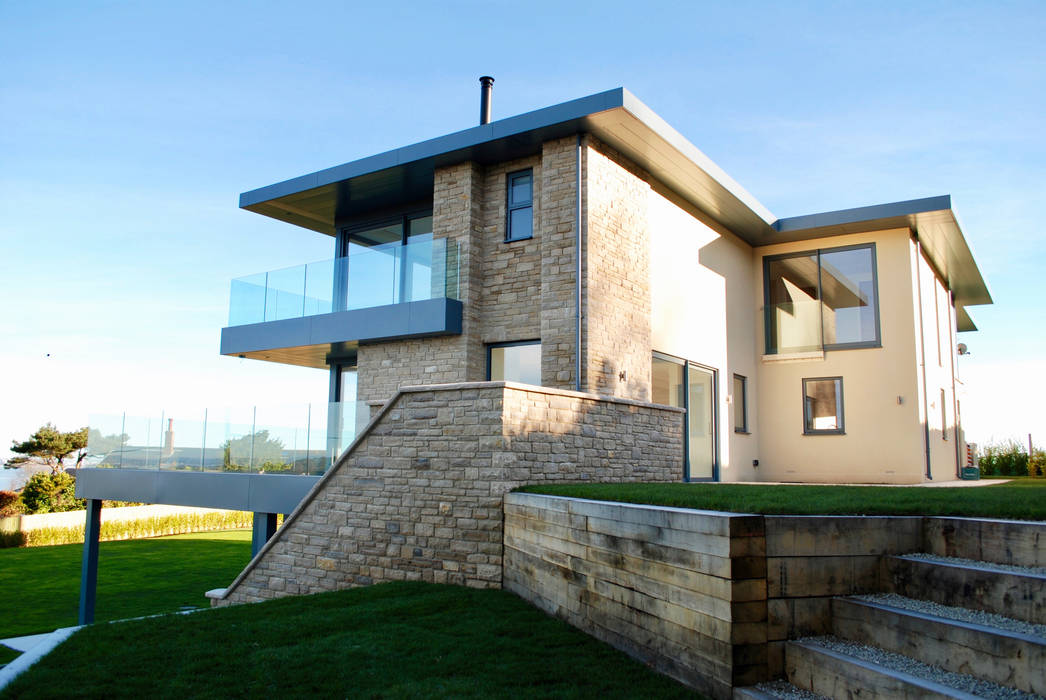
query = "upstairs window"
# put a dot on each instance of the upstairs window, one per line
(821, 300)
(520, 221)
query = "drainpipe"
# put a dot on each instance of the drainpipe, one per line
(922, 354)
(577, 272)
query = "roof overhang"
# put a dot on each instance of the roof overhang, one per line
(931, 220)
(616, 117)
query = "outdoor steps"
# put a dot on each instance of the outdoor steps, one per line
(1019, 594)
(1005, 656)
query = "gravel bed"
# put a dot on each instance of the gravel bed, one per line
(906, 664)
(787, 691)
(976, 617)
(1012, 568)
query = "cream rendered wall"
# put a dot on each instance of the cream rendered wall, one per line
(883, 441)
(939, 337)
(701, 294)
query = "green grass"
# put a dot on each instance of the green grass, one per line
(8, 655)
(41, 585)
(1024, 499)
(396, 640)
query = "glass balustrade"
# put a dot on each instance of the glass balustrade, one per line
(299, 439)
(385, 274)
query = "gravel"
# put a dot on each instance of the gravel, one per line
(976, 617)
(906, 664)
(787, 691)
(1011, 568)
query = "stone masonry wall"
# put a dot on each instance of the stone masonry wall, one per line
(617, 276)
(418, 496)
(558, 255)
(510, 272)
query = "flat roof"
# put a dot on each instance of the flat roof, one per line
(317, 201)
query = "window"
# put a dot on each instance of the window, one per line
(520, 224)
(821, 300)
(515, 362)
(823, 405)
(740, 404)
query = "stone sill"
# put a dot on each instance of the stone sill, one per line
(814, 356)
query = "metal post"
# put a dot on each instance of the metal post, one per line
(263, 530)
(89, 567)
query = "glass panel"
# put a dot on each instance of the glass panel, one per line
(521, 223)
(374, 275)
(740, 404)
(418, 270)
(285, 293)
(701, 419)
(380, 235)
(419, 227)
(793, 310)
(319, 288)
(823, 407)
(848, 292)
(516, 363)
(247, 300)
(667, 386)
(521, 190)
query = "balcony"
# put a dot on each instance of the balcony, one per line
(385, 292)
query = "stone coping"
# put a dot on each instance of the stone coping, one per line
(525, 495)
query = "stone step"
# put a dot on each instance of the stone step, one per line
(1011, 591)
(776, 690)
(842, 669)
(980, 645)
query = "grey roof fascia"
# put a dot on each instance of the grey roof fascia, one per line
(840, 217)
(444, 146)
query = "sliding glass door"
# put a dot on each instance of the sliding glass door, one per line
(676, 382)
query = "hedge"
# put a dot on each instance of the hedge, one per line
(131, 529)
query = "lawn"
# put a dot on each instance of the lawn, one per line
(394, 640)
(1023, 499)
(135, 577)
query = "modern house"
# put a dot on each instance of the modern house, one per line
(590, 250)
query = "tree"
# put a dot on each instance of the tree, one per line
(52, 446)
(257, 449)
(51, 493)
(104, 444)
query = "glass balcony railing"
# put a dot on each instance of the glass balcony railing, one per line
(794, 326)
(301, 439)
(386, 274)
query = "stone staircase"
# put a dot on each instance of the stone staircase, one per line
(946, 627)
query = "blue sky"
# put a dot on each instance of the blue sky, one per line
(128, 130)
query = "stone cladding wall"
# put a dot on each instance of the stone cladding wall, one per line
(418, 496)
(616, 285)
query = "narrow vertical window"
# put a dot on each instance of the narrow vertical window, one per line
(520, 218)
(740, 404)
(823, 405)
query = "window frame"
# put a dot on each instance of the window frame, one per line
(743, 428)
(825, 347)
(511, 207)
(841, 430)
(508, 344)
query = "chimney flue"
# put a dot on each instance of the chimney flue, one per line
(486, 87)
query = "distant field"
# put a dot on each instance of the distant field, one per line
(1022, 499)
(393, 640)
(135, 577)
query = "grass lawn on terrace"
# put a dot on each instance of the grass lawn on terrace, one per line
(392, 640)
(1021, 499)
(135, 577)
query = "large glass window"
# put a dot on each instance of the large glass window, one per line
(676, 382)
(821, 300)
(823, 405)
(520, 223)
(515, 362)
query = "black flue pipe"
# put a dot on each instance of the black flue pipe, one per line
(486, 87)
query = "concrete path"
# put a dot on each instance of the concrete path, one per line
(33, 647)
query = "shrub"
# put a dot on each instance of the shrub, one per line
(51, 493)
(1037, 463)
(10, 504)
(1004, 459)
